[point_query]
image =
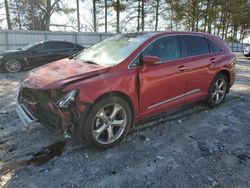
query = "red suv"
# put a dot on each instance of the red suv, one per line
(101, 93)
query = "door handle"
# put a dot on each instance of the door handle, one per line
(212, 60)
(182, 68)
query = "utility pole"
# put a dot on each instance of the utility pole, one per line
(94, 15)
(106, 16)
(78, 16)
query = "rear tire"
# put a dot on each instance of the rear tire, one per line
(12, 66)
(107, 122)
(217, 90)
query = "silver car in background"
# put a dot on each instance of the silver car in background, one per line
(246, 51)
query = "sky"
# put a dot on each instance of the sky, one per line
(86, 20)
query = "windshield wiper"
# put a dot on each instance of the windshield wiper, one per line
(74, 55)
(91, 62)
(83, 61)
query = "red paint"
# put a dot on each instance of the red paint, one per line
(55, 75)
(158, 83)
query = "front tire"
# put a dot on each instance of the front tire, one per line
(217, 91)
(12, 65)
(107, 123)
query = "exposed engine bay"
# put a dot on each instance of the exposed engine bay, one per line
(54, 108)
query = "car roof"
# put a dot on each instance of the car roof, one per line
(56, 41)
(147, 35)
(156, 34)
(159, 33)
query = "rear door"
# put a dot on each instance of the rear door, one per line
(199, 60)
(38, 54)
(162, 86)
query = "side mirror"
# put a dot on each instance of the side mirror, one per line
(151, 60)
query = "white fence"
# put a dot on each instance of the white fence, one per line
(16, 39)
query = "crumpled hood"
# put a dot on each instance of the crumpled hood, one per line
(55, 75)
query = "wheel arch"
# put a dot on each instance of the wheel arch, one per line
(227, 75)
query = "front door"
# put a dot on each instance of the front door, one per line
(163, 85)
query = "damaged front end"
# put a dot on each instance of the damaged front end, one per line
(55, 108)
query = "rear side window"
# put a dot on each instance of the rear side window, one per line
(67, 45)
(213, 47)
(195, 45)
(60, 45)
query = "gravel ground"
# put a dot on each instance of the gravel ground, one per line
(194, 146)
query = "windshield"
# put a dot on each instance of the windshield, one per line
(112, 50)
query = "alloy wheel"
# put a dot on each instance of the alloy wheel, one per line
(109, 123)
(12, 65)
(219, 90)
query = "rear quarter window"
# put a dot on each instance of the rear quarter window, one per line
(214, 47)
(195, 45)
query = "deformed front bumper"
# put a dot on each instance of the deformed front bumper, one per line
(39, 106)
(25, 115)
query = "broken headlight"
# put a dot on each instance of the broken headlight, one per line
(69, 98)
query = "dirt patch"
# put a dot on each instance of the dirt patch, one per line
(194, 146)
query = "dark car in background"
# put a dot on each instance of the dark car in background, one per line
(37, 54)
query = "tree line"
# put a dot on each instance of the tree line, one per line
(228, 19)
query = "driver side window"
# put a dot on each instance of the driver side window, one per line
(40, 47)
(166, 48)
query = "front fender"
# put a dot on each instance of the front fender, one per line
(122, 81)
